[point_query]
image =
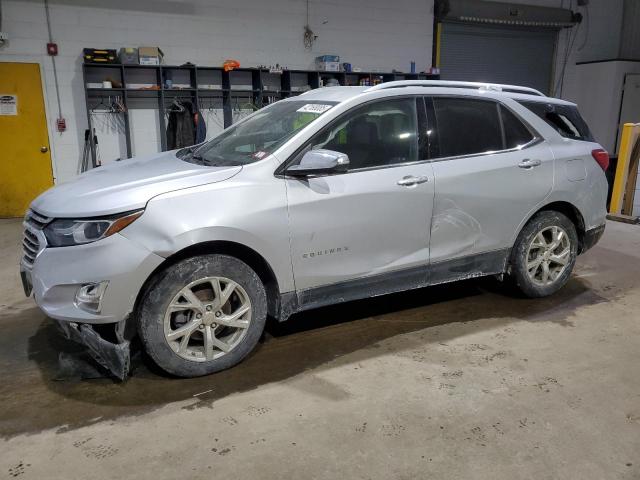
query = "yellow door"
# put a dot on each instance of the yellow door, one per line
(25, 161)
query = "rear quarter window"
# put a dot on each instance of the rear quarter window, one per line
(564, 119)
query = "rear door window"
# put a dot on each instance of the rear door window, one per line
(466, 126)
(565, 119)
(516, 133)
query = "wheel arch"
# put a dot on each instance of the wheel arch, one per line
(222, 247)
(570, 211)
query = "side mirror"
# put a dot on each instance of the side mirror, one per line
(319, 162)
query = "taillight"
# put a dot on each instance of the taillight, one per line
(602, 157)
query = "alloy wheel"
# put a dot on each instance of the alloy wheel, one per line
(548, 255)
(207, 319)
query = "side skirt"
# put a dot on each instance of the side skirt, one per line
(472, 266)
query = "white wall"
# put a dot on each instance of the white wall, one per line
(372, 34)
(601, 26)
(596, 88)
(599, 98)
(597, 38)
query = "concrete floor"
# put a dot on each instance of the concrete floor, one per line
(459, 381)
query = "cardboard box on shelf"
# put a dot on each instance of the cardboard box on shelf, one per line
(150, 55)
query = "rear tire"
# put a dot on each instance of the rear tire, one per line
(544, 254)
(202, 315)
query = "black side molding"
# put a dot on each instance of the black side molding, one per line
(591, 237)
(471, 266)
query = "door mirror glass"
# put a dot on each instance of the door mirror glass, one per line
(320, 162)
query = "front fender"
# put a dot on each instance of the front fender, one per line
(248, 211)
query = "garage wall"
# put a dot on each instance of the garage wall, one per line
(597, 38)
(605, 21)
(372, 34)
(499, 54)
(630, 41)
(599, 98)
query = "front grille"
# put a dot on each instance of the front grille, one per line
(30, 246)
(36, 220)
(33, 240)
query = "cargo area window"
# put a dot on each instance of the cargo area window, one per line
(565, 119)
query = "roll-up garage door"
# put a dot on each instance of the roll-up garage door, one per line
(478, 53)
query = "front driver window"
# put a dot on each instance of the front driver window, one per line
(377, 134)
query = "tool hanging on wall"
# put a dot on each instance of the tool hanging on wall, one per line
(86, 153)
(90, 146)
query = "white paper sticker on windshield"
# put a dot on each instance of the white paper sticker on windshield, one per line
(314, 108)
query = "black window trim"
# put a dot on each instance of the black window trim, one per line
(537, 138)
(281, 170)
(423, 127)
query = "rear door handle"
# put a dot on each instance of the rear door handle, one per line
(410, 180)
(528, 163)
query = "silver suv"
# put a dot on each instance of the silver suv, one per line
(334, 195)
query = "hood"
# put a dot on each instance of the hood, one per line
(126, 185)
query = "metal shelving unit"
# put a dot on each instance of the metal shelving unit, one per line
(138, 84)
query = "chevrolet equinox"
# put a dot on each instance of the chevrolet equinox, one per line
(337, 194)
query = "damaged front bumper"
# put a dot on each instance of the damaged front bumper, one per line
(90, 291)
(115, 357)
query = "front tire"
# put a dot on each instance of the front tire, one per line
(202, 315)
(544, 254)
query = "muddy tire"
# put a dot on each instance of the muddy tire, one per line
(544, 254)
(202, 315)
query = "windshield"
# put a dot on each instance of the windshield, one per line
(258, 136)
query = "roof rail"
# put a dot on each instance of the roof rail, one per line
(445, 83)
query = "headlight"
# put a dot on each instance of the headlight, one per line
(66, 232)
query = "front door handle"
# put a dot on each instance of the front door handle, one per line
(528, 163)
(410, 180)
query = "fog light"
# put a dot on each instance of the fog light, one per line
(89, 296)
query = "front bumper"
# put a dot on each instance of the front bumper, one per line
(115, 357)
(58, 273)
